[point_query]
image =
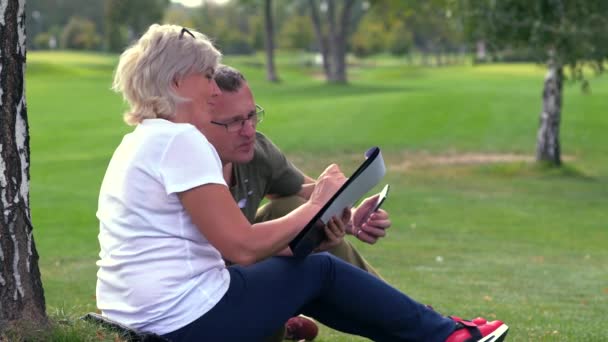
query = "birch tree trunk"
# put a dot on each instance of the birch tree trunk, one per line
(21, 293)
(548, 147)
(271, 73)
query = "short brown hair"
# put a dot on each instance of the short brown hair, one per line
(228, 78)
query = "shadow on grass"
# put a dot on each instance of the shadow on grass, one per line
(537, 169)
(339, 90)
(62, 70)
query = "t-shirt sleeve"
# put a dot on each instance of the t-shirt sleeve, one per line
(285, 178)
(189, 161)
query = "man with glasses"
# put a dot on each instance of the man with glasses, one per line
(255, 168)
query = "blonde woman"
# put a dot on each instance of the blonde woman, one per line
(164, 209)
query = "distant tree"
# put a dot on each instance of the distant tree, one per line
(80, 34)
(43, 40)
(333, 41)
(229, 25)
(249, 25)
(429, 26)
(179, 15)
(399, 39)
(563, 34)
(296, 33)
(21, 292)
(256, 32)
(48, 16)
(271, 73)
(370, 37)
(132, 17)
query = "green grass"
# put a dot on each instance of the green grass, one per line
(512, 240)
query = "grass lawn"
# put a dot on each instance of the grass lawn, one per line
(478, 228)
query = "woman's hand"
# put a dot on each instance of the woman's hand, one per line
(334, 232)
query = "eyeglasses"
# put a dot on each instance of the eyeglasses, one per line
(236, 125)
(185, 30)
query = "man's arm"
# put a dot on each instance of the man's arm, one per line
(307, 187)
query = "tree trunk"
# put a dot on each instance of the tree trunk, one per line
(271, 73)
(333, 47)
(321, 40)
(334, 43)
(21, 293)
(548, 148)
(340, 39)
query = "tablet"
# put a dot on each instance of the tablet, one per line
(367, 175)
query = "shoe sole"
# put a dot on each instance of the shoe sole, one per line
(497, 335)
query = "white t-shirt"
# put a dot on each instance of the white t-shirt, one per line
(157, 272)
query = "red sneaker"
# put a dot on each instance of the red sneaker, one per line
(301, 328)
(478, 330)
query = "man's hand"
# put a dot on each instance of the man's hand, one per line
(369, 226)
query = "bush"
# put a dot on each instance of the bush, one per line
(297, 34)
(80, 34)
(369, 39)
(399, 40)
(45, 40)
(235, 44)
(117, 38)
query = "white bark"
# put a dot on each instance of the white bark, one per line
(20, 139)
(3, 5)
(548, 144)
(21, 293)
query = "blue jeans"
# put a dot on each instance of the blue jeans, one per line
(262, 297)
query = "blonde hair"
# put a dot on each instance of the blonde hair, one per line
(147, 70)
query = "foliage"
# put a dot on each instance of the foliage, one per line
(178, 15)
(233, 43)
(256, 32)
(570, 33)
(238, 25)
(133, 16)
(296, 33)
(230, 26)
(43, 40)
(399, 40)
(370, 37)
(42, 15)
(80, 34)
(400, 26)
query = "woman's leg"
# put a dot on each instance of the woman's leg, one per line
(360, 305)
(263, 296)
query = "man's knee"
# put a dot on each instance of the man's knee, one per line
(278, 207)
(347, 252)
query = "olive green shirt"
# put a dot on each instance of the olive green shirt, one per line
(268, 173)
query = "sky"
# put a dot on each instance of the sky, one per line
(194, 3)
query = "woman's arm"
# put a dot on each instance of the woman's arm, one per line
(214, 212)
